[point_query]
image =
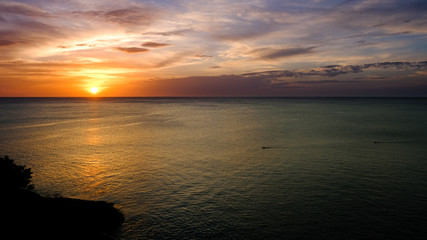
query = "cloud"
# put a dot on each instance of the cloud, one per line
(132, 16)
(292, 83)
(202, 56)
(197, 38)
(240, 29)
(328, 81)
(170, 60)
(273, 53)
(155, 44)
(178, 32)
(132, 49)
(27, 25)
(422, 74)
(336, 70)
(332, 70)
(305, 84)
(398, 65)
(381, 19)
(11, 8)
(6, 43)
(226, 85)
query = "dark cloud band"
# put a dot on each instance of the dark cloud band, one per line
(132, 49)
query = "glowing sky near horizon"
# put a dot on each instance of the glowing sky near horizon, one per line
(213, 48)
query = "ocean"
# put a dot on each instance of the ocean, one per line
(232, 168)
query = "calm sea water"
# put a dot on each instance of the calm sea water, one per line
(232, 168)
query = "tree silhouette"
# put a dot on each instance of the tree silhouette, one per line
(13, 176)
(24, 214)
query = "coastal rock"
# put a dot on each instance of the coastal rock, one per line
(27, 215)
(24, 214)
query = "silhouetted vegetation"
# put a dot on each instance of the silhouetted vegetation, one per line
(27, 215)
(14, 176)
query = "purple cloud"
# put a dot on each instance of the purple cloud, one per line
(6, 43)
(132, 16)
(282, 82)
(178, 32)
(155, 44)
(273, 53)
(132, 49)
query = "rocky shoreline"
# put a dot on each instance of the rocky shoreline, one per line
(28, 215)
(24, 214)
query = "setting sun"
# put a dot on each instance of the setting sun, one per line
(94, 90)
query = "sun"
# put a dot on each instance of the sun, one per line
(94, 90)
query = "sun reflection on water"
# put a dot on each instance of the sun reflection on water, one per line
(93, 172)
(92, 167)
(93, 137)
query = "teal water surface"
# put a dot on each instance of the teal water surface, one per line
(237, 168)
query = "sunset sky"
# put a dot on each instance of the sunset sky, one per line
(66, 48)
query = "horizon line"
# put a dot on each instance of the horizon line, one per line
(94, 98)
